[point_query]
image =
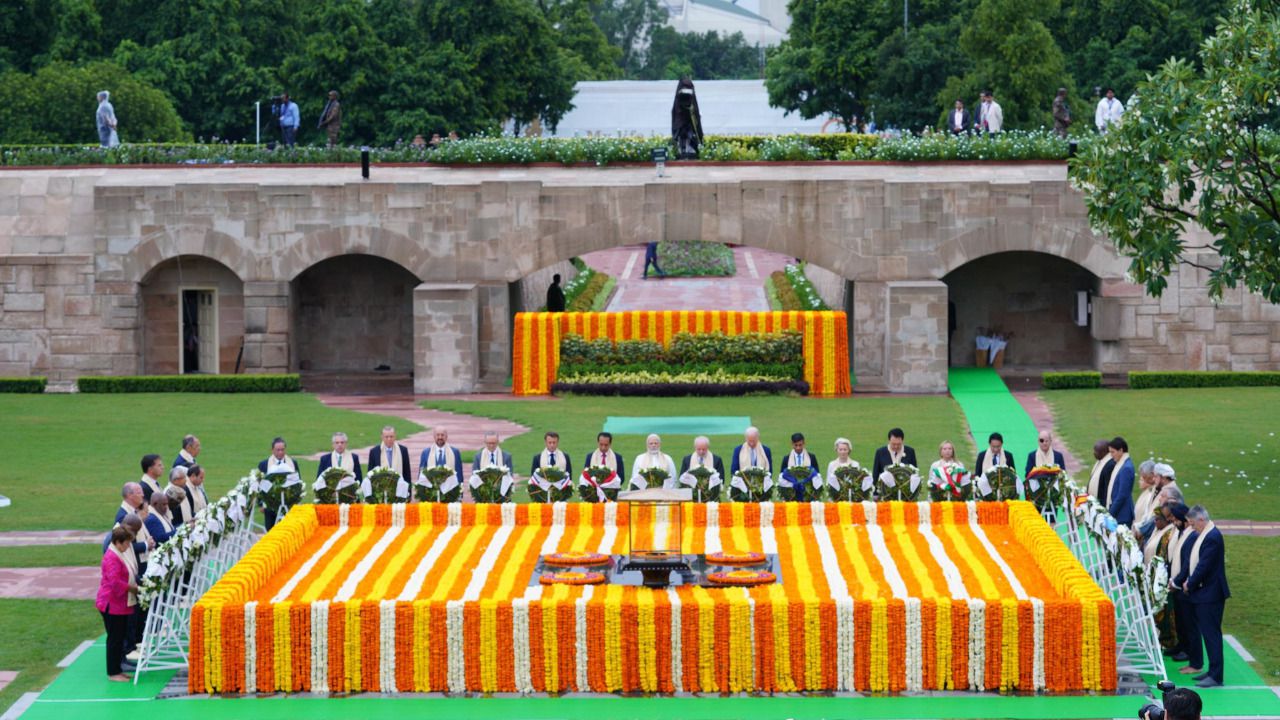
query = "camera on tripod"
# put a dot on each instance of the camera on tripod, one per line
(1155, 711)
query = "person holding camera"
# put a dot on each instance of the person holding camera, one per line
(1178, 704)
(289, 120)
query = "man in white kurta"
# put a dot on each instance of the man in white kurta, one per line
(653, 457)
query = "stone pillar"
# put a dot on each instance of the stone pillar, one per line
(266, 327)
(494, 336)
(917, 329)
(446, 354)
(868, 344)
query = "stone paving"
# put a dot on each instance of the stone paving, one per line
(57, 583)
(48, 537)
(743, 291)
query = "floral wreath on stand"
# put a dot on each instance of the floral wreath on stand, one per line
(279, 491)
(599, 483)
(950, 484)
(850, 483)
(901, 482)
(437, 484)
(752, 484)
(383, 485)
(336, 486)
(800, 483)
(706, 484)
(550, 484)
(998, 483)
(654, 477)
(492, 484)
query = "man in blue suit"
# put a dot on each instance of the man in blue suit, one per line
(341, 457)
(751, 453)
(1206, 588)
(441, 454)
(1120, 493)
(1044, 454)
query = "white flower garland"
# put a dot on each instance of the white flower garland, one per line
(387, 642)
(869, 510)
(677, 643)
(950, 571)
(845, 643)
(456, 677)
(580, 639)
(610, 529)
(712, 542)
(520, 645)
(892, 575)
(362, 568)
(981, 535)
(397, 515)
(454, 516)
(914, 650)
(414, 586)
(251, 646)
(1037, 664)
(768, 539)
(977, 644)
(484, 567)
(320, 647)
(310, 564)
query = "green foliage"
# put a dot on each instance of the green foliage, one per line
(806, 294)
(770, 356)
(1202, 379)
(771, 294)
(587, 294)
(696, 258)
(601, 300)
(826, 64)
(1198, 151)
(1012, 145)
(59, 103)
(23, 384)
(1071, 380)
(191, 383)
(912, 68)
(760, 348)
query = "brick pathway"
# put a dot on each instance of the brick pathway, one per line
(49, 537)
(60, 583)
(743, 291)
(1042, 418)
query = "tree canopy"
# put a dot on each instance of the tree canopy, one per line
(1191, 176)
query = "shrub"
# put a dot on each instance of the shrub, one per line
(1202, 379)
(1071, 380)
(23, 384)
(587, 294)
(789, 149)
(763, 356)
(758, 348)
(805, 292)
(696, 258)
(730, 389)
(191, 383)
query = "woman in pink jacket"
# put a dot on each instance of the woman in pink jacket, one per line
(113, 600)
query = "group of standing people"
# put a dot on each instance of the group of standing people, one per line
(989, 120)
(289, 119)
(148, 516)
(990, 116)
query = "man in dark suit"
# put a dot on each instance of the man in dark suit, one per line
(441, 454)
(958, 120)
(1119, 500)
(1179, 555)
(152, 471)
(187, 455)
(1044, 454)
(390, 453)
(1206, 589)
(801, 458)
(341, 457)
(895, 451)
(994, 456)
(605, 456)
(702, 457)
(551, 455)
(751, 453)
(133, 497)
(491, 455)
(278, 462)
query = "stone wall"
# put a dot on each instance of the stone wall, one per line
(160, 326)
(533, 287)
(830, 286)
(354, 313)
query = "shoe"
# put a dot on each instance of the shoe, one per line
(1201, 676)
(119, 678)
(1208, 683)
(134, 656)
(1188, 670)
(1179, 657)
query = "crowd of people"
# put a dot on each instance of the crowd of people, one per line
(1190, 626)
(990, 117)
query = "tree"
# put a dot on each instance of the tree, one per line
(58, 104)
(1191, 176)
(826, 65)
(580, 35)
(910, 69)
(1013, 54)
(629, 26)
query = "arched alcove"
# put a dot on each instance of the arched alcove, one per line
(192, 317)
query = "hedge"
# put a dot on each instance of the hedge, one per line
(23, 384)
(1146, 380)
(191, 383)
(588, 294)
(1071, 380)
(798, 387)
(696, 258)
(686, 348)
(781, 371)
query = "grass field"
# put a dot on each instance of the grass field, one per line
(69, 454)
(927, 421)
(1252, 566)
(36, 634)
(51, 555)
(1222, 442)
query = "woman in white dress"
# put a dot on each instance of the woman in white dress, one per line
(653, 458)
(945, 466)
(843, 449)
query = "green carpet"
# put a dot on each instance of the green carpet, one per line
(1242, 693)
(990, 407)
(685, 425)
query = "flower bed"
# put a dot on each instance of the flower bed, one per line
(536, 347)
(696, 258)
(425, 597)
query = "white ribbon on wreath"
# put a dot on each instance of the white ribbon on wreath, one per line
(345, 482)
(545, 484)
(402, 487)
(712, 481)
(613, 483)
(476, 481)
(445, 487)
(740, 485)
(834, 482)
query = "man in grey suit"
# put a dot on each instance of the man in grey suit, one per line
(491, 454)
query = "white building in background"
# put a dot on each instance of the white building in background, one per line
(643, 107)
(761, 22)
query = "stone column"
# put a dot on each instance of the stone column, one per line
(868, 342)
(446, 353)
(266, 327)
(917, 327)
(494, 336)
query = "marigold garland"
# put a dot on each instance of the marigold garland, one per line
(307, 610)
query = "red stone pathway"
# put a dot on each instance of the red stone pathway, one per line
(743, 291)
(59, 583)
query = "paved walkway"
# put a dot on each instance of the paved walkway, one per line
(743, 291)
(59, 583)
(25, 538)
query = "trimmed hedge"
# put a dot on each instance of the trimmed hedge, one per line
(1146, 380)
(586, 294)
(686, 348)
(23, 384)
(696, 258)
(191, 383)
(798, 387)
(780, 370)
(1071, 380)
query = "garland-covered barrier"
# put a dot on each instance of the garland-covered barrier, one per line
(878, 597)
(536, 349)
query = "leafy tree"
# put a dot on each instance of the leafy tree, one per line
(1192, 174)
(827, 64)
(580, 35)
(1013, 54)
(910, 69)
(629, 26)
(59, 102)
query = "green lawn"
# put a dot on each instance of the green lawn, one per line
(927, 421)
(51, 555)
(69, 454)
(1253, 563)
(1222, 442)
(35, 635)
